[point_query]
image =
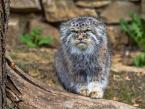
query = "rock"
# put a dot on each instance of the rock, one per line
(143, 8)
(47, 30)
(59, 10)
(117, 37)
(92, 3)
(117, 10)
(16, 27)
(25, 5)
(134, 0)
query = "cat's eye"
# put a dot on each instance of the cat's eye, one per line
(87, 30)
(73, 31)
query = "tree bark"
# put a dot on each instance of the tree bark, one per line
(4, 13)
(29, 93)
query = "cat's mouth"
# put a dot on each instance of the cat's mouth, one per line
(81, 42)
(81, 45)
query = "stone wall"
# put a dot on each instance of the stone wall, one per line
(48, 14)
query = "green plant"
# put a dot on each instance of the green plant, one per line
(139, 61)
(35, 39)
(136, 30)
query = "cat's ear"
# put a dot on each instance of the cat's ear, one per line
(64, 26)
(64, 30)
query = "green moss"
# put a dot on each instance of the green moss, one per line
(130, 91)
(125, 94)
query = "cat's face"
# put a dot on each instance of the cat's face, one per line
(81, 39)
(81, 34)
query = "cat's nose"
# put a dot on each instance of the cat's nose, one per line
(80, 37)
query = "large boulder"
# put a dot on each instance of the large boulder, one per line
(143, 8)
(25, 5)
(16, 26)
(117, 37)
(92, 3)
(117, 10)
(59, 10)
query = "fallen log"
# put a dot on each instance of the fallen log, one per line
(28, 93)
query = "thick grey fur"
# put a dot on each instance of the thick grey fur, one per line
(76, 69)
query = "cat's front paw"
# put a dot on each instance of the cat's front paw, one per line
(83, 90)
(95, 90)
(96, 94)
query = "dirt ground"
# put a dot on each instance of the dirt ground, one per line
(126, 82)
